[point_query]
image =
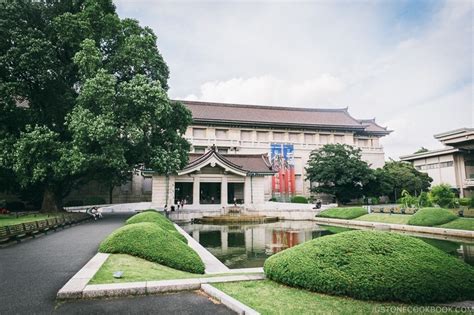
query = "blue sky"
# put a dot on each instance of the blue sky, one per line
(407, 63)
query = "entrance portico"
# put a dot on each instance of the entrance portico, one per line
(214, 180)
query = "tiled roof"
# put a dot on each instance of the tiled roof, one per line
(250, 163)
(220, 113)
(372, 125)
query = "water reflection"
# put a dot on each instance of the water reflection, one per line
(249, 245)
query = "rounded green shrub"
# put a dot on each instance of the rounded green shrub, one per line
(372, 265)
(149, 241)
(155, 217)
(343, 213)
(431, 217)
(299, 199)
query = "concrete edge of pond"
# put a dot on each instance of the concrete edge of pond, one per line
(398, 227)
(211, 263)
(227, 300)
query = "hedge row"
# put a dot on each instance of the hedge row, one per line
(372, 265)
(432, 217)
(343, 213)
(151, 242)
(154, 217)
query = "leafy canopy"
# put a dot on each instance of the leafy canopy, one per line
(339, 170)
(82, 97)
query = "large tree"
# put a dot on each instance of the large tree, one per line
(82, 96)
(338, 169)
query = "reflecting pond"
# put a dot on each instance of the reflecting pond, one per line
(249, 245)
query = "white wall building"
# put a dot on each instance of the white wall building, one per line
(453, 165)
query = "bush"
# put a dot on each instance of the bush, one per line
(442, 195)
(372, 265)
(155, 217)
(149, 241)
(15, 206)
(343, 213)
(431, 217)
(299, 199)
(424, 200)
(471, 203)
(464, 202)
(94, 200)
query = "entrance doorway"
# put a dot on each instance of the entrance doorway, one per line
(210, 193)
(183, 192)
(235, 193)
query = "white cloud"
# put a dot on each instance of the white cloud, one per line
(414, 76)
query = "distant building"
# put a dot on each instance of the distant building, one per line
(251, 153)
(453, 165)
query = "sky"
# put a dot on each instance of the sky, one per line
(407, 63)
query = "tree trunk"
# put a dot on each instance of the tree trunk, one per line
(50, 201)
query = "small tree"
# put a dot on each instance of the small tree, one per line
(339, 170)
(442, 195)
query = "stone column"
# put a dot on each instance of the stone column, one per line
(196, 191)
(224, 241)
(224, 200)
(247, 191)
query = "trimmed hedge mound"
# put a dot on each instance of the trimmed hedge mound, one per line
(431, 217)
(343, 213)
(151, 242)
(371, 265)
(154, 217)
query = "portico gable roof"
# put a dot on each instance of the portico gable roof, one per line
(240, 164)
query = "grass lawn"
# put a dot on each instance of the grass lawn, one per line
(9, 219)
(460, 223)
(269, 297)
(385, 218)
(138, 269)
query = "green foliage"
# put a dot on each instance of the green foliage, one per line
(460, 224)
(157, 218)
(431, 217)
(299, 199)
(371, 265)
(442, 195)
(93, 89)
(395, 177)
(471, 203)
(74, 203)
(408, 200)
(339, 170)
(424, 200)
(343, 213)
(464, 202)
(149, 241)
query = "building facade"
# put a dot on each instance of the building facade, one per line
(286, 135)
(453, 165)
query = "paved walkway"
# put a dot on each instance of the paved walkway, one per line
(31, 273)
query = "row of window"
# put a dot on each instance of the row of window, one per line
(250, 135)
(434, 165)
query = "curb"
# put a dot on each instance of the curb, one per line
(227, 300)
(212, 264)
(79, 289)
(74, 287)
(441, 232)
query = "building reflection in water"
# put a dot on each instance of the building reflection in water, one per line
(249, 245)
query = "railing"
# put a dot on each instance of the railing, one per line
(469, 182)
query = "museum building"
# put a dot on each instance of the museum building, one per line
(248, 154)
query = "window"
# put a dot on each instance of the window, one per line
(199, 132)
(221, 133)
(199, 149)
(308, 138)
(246, 135)
(324, 139)
(363, 142)
(147, 185)
(278, 136)
(294, 137)
(446, 164)
(223, 150)
(262, 136)
(339, 139)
